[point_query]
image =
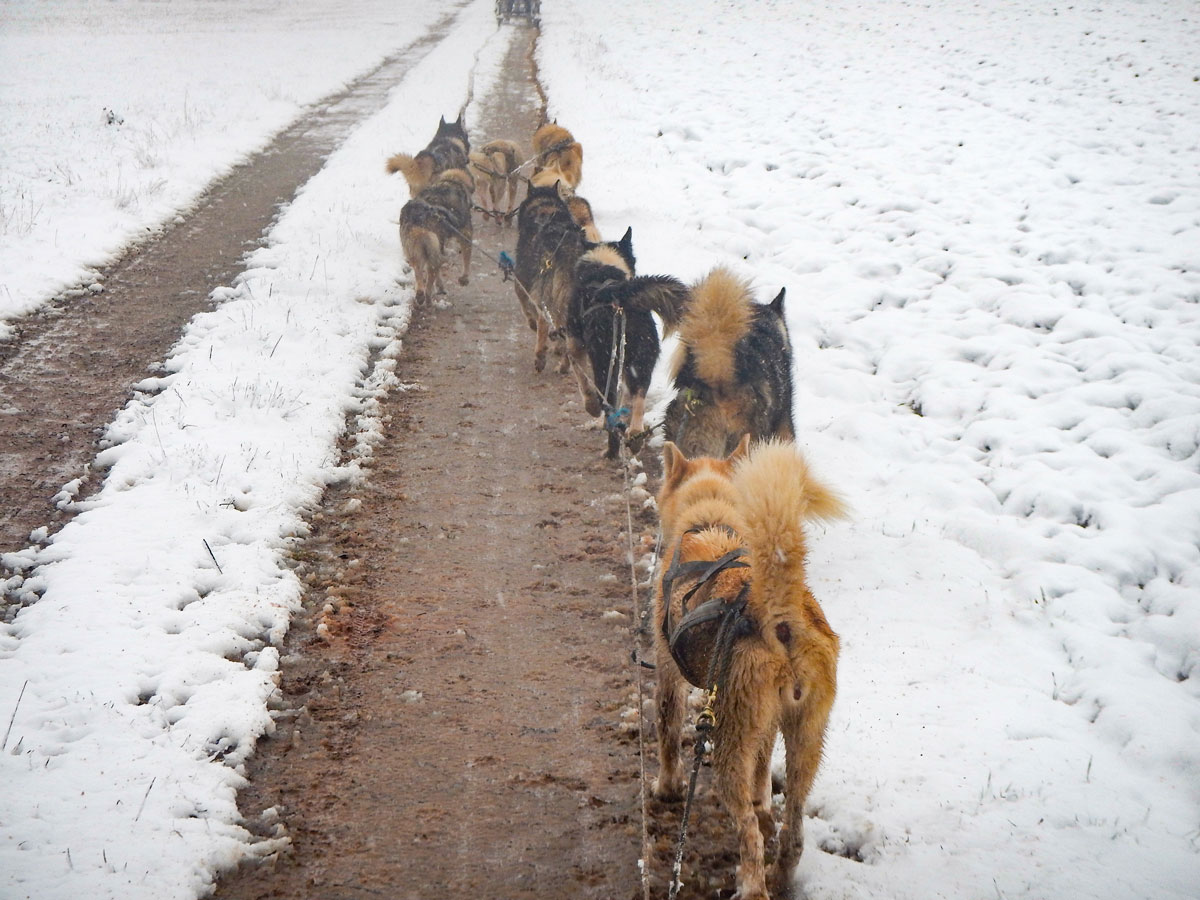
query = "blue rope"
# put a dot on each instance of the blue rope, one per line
(613, 420)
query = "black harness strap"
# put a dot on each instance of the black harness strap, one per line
(707, 570)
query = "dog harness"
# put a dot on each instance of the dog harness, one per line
(699, 633)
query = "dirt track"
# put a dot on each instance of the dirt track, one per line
(459, 732)
(457, 698)
(464, 730)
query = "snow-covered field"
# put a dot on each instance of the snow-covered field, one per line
(194, 86)
(987, 217)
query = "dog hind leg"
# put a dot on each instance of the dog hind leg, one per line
(465, 278)
(762, 792)
(803, 737)
(671, 697)
(743, 729)
(539, 347)
(578, 353)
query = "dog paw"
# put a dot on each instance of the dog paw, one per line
(779, 880)
(636, 440)
(464, 280)
(668, 790)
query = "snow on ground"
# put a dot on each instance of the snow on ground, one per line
(987, 220)
(194, 88)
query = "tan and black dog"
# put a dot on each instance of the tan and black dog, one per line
(437, 217)
(449, 149)
(743, 515)
(612, 338)
(732, 369)
(549, 242)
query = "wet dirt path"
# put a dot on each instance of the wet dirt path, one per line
(72, 366)
(457, 732)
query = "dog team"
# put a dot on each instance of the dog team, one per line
(735, 492)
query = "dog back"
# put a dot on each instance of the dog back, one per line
(548, 244)
(732, 371)
(443, 207)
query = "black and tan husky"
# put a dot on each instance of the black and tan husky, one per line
(449, 149)
(732, 369)
(611, 334)
(549, 241)
(438, 216)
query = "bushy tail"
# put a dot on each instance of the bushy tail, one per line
(423, 251)
(417, 170)
(717, 317)
(661, 294)
(776, 494)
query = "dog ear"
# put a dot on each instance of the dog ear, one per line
(777, 303)
(674, 465)
(625, 247)
(441, 121)
(740, 450)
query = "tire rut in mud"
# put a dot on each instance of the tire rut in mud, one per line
(72, 366)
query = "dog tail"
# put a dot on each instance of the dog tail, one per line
(551, 177)
(718, 316)
(417, 170)
(661, 294)
(423, 251)
(776, 494)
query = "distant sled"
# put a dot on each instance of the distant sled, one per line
(508, 10)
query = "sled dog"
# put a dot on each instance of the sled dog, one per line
(549, 241)
(449, 149)
(610, 303)
(779, 674)
(732, 369)
(437, 217)
(494, 166)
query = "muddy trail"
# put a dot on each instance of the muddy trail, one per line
(458, 709)
(72, 365)
(460, 700)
